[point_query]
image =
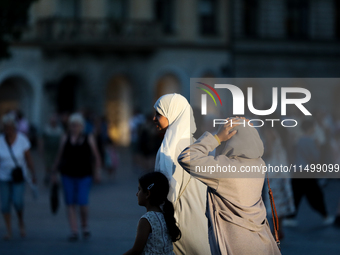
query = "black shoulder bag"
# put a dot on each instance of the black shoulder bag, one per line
(17, 173)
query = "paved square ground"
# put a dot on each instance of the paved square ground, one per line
(114, 214)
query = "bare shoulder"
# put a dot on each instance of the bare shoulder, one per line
(63, 139)
(143, 222)
(90, 139)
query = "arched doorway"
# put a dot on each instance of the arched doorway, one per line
(16, 94)
(67, 89)
(167, 84)
(118, 110)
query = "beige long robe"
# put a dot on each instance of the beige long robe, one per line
(190, 210)
(187, 194)
(235, 210)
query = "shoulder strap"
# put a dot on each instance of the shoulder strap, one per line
(274, 214)
(11, 152)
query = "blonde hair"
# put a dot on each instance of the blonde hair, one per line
(9, 119)
(76, 118)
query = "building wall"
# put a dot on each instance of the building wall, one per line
(95, 74)
(183, 54)
(272, 17)
(25, 65)
(322, 19)
(185, 16)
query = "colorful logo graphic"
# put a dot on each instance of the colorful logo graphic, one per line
(239, 100)
(213, 90)
(204, 97)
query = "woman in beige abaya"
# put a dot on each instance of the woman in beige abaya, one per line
(235, 210)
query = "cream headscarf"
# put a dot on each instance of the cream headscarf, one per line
(246, 143)
(181, 126)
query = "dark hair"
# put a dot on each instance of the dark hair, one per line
(158, 185)
(306, 125)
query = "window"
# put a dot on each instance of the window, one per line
(164, 14)
(70, 8)
(117, 9)
(207, 10)
(297, 18)
(66, 93)
(250, 18)
(337, 18)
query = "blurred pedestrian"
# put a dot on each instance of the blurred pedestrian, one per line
(280, 182)
(337, 218)
(157, 228)
(74, 161)
(188, 195)
(335, 147)
(307, 152)
(148, 143)
(335, 143)
(15, 159)
(88, 121)
(111, 157)
(106, 147)
(135, 124)
(100, 135)
(50, 140)
(64, 117)
(322, 137)
(23, 125)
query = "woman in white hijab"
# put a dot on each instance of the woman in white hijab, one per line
(188, 195)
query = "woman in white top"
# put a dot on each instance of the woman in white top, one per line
(14, 153)
(188, 195)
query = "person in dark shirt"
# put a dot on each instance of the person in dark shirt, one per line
(75, 163)
(307, 152)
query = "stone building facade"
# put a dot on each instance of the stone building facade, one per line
(112, 56)
(115, 56)
(289, 38)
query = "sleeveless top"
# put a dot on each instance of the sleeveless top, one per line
(159, 240)
(76, 160)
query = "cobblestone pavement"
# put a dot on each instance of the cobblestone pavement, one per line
(114, 214)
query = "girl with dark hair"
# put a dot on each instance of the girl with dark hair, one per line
(157, 229)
